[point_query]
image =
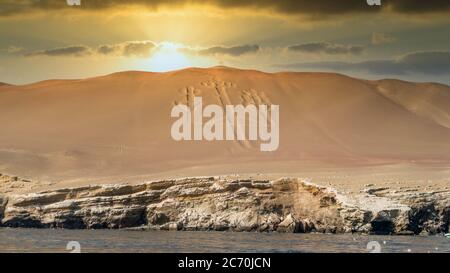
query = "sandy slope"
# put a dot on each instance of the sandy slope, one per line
(118, 126)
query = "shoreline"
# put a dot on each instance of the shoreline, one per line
(290, 205)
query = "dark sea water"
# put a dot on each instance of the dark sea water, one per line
(45, 240)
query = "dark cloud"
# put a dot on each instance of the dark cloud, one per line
(431, 62)
(126, 49)
(139, 49)
(62, 51)
(108, 49)
(427, 62)
(316, 7)
(327, 48)
(233, 51)
(418, 5)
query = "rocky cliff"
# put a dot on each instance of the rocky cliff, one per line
(216, 203)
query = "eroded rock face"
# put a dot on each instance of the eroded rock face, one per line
(284, 205)
(429, 211)
(3, 201)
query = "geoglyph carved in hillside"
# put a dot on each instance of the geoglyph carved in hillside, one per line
(251, 120)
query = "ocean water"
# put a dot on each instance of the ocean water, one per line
(48, 240)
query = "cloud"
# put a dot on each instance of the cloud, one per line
(428, 62)
(109, 49)
(138, 49)
(126, 49)
(327, 48)
(232, 51)
(425, 62)
(13, 50)
(379, 38)
(417, 6)
(317, 7)
(62, 51)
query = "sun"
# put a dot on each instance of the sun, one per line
(168, 57)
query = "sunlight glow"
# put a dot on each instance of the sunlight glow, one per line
(167, 57)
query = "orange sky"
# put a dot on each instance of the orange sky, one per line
(48, 39)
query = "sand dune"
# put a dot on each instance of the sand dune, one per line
(424, 99)
(120, 124)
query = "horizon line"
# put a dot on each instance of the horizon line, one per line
(219, 67)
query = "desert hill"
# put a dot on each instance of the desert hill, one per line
(119, 124)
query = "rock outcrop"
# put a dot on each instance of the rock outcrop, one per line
(214, 203)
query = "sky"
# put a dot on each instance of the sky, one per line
(49, 39)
